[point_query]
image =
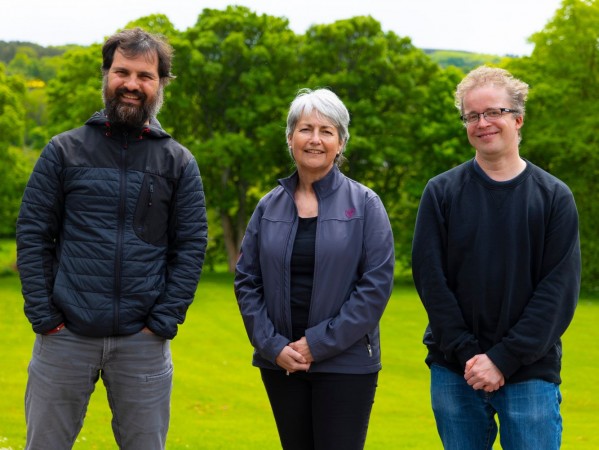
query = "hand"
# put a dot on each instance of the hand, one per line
(291, 360)
(481, 373)
(303, 348)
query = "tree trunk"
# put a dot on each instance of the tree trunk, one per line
(232, 243)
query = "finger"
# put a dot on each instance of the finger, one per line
(298, 357)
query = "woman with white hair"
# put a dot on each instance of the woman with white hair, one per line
(313, 278)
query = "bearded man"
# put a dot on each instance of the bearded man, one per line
(111, 238)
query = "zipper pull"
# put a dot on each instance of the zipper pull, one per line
(151, 192)
(369, 350)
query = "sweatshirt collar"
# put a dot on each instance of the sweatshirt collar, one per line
(480, 174)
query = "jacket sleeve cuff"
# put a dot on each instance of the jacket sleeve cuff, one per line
(43, 327)
(274, 348)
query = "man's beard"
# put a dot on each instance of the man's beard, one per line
(126, 114)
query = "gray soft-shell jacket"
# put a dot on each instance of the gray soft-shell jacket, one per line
(353, 275)
(112, 232)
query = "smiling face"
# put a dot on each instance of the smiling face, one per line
(497, 139)
(314, 143)
(132, 91)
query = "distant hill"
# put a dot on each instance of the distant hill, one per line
(8, 49)
(460, 59)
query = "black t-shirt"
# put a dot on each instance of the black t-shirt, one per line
(302, 275)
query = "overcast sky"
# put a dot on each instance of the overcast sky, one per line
(497, 27)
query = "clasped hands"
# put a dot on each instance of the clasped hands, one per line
(295, 356)
(481, 373)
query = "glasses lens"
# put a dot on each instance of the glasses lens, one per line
(492, 114)
(470, 118)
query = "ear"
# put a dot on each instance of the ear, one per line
(519, 122)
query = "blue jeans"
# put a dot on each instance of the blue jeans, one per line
(528, 414)
(136, 370)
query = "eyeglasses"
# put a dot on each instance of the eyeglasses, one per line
(490, 115)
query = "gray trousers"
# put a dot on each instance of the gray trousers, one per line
(137, 371)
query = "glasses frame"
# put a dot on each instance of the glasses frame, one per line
(484, 114)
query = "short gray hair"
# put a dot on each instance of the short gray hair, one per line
(327, 104)
(516, 89)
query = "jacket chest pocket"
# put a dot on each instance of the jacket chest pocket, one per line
(152, 212)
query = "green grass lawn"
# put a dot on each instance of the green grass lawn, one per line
(219, 401)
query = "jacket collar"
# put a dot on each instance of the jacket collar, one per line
(323, 187)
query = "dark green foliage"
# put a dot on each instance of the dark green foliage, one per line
(404, 127)
(228, 106)
(560, 132)
(237, 72)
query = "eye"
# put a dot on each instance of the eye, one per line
(147, 76)
(493, 113)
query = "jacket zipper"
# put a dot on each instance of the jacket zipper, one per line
(151, 191)
(315, 261)
(120, 232)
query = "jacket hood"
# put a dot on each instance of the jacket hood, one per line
(153, 130)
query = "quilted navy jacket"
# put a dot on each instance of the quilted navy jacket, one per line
(112, 232)
(353, 275)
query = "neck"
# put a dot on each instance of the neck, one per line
(501, 169)
(306, 178)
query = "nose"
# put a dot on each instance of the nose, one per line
(315, 137)
(132, 83)
(482, 117)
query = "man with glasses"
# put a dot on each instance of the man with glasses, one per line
(496, 262)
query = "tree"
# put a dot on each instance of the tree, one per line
(12, 110)
(15, 165)
(75, 94)
(404, 126)
(563, 114)
(236, 79)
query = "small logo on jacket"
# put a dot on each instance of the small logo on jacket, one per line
(349, 213)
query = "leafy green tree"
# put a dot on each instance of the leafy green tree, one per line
(404, 126)
(36, 101)
(560, 132)
(25, 63)
(14, 166)
(12, 110)
(76, 92)
(236, 73)
(155, 23)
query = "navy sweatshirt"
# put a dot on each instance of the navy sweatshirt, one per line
(497, 267)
